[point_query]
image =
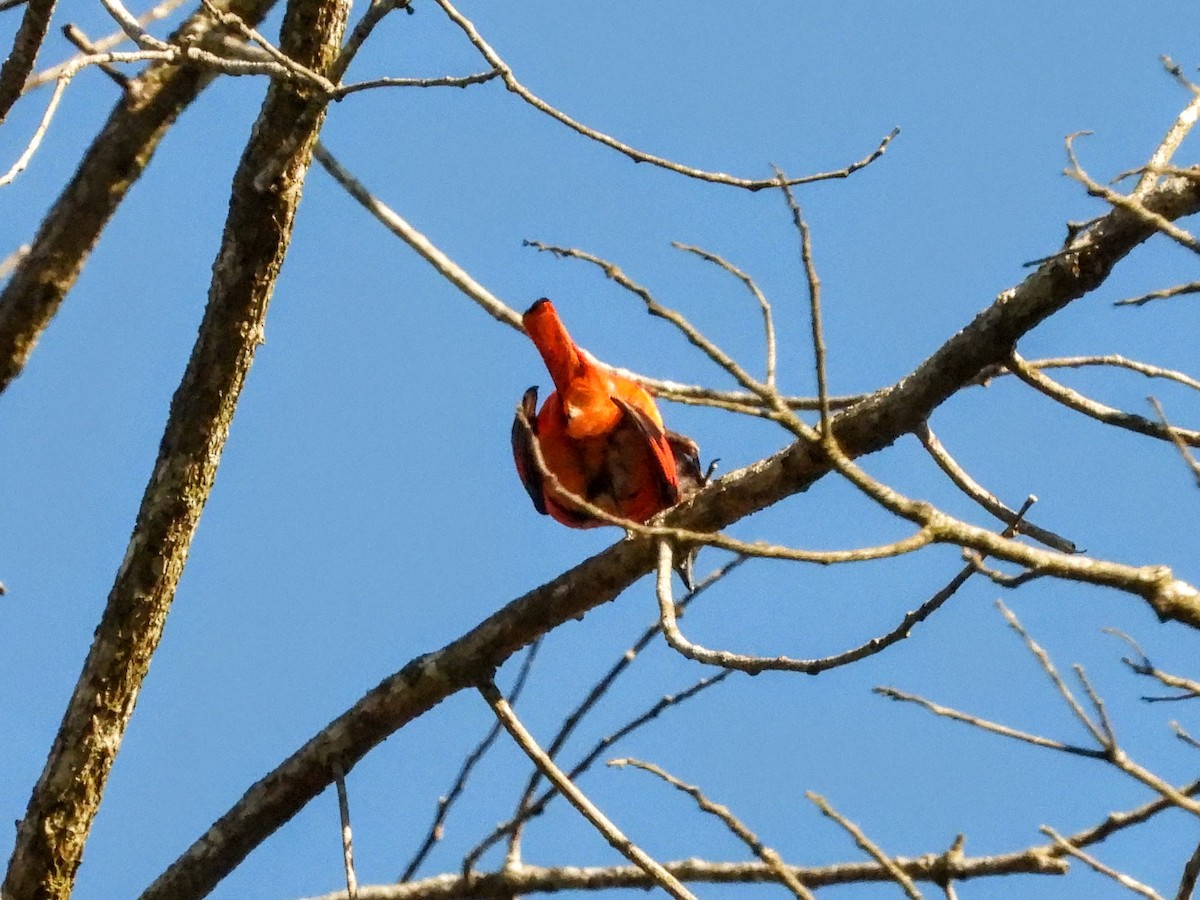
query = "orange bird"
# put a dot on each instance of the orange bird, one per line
(600, 434)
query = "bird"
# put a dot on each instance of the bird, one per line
(600, 434)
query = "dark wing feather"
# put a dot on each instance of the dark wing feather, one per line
(660, 450)
(522, 445)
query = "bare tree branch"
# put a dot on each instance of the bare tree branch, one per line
(511, 82)
(36, 139)
(1180, 128)
(526, 806)
(425, 248)
(1120, 878)
(1189, 686)
(1191, 287)
(994, 727)
(931, 867)
(87, 48)
(53, 73)
(814, 299)
(1129, 203)
(872, 849)
(985, 498)
(1176, 438)
(347, 836)
(615, 838)
(752, 287)
(28, 41)
(732, 822)
(1098, 411)
(1108, 750)
(458, 81)
(1191, 871)
(460, 781)
(1114, 360)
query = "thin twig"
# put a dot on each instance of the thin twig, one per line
(1191, 287)
(1120, 877)
(602, 686)
(40, 132)
(1191, 871)
(1188, 458)
(814, 299)
(104, 44)
(445, 266)
(1098, 706)
(458, 81)
(869, 846)
(510, 80)
(1179, 130)
(347, 837)
(1174, 70)
(1108, 750)
(1131, 204)
(763, 303)
(362, 30)
(985, 498)
(1074, 400)
(1039, 653)
(132, 28)
(1003, 579)
(994, 727)
(538, 806)
(1190, 687)
(1119, 821)
(732, 822)
(1113, 359)
(81, 42)
(754, 664)
(1184, 736)
(437, 829)
(577, 798)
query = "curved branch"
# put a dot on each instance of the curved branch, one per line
(1098, 411)
(750, 184)
(964, 482)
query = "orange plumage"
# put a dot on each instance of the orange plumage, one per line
(600, 434)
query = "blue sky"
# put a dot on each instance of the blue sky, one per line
(366, 510)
